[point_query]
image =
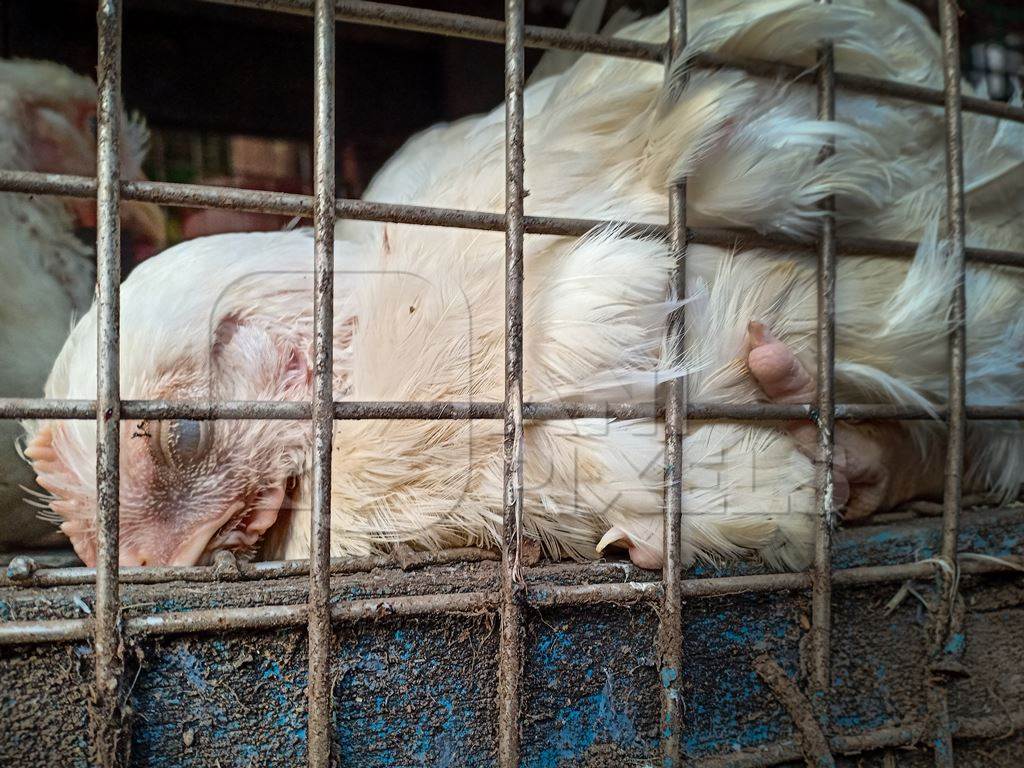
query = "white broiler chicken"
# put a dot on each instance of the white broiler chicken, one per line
(47, 274)
(419, 316)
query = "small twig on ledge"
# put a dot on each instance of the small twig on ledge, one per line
(810, 737)
(934, 508)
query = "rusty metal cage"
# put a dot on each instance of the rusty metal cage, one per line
(106, 628)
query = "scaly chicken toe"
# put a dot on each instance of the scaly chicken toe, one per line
(864, 452)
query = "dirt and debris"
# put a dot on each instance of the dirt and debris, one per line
(421, 690)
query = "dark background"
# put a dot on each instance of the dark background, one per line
(201, 72)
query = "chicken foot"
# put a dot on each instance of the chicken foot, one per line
(877, 464)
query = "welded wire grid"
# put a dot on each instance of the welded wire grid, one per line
(670, 622)
(319, 688)
(106, 628)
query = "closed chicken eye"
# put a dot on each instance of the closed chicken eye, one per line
(180, 443)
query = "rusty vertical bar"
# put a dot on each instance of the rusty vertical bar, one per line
(821, 589)
(670, 627)
(956, 414)
(510, 651)
(109, 738)
(319, 691)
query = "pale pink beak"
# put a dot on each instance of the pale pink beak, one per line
(149, 539)
(173, 547)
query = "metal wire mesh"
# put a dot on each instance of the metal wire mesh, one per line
(510, 609)
(320, 739)
(105, 705)
(821, 588)
(670, 623)
(106, 628)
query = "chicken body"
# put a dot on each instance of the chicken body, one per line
(47, 274)
(420, 316)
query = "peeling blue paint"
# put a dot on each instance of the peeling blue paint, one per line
(587, 721)
(398, 701)
(422, 692)
(955, 645)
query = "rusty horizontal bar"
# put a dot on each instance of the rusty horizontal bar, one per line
(413, 605)
(258, 201)
(218, 619)
(188, 622)
(932, 96)
(242, 571)
(251, 617)
(42, 408)
(48, 631)
(863, 84)
(493, 30)
(989, 726)
(627, 591)
(901, 736)
(728, 237)
(735, 585)
(538, 594)
(206, 410)
(788, 751)
(859, 576)
(448, 24)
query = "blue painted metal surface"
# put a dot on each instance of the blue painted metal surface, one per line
(422, 691)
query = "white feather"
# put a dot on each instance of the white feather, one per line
(420, 311)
